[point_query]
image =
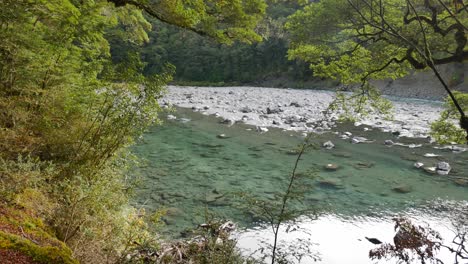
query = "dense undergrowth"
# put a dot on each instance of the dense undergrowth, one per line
(67, 115)
(69, 110)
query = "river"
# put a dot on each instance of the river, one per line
(190, 171)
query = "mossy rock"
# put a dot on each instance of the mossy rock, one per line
(25, 234)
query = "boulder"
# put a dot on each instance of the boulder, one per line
(388, 142)
(418, 165)
(443, 168)
(328, 145)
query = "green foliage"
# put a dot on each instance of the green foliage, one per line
(201, 61)
(446, 128)
(354, 41)
(35, 240)
(72, 102)
(360, 103)
(47, 254)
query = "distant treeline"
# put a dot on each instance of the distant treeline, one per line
(204, 61)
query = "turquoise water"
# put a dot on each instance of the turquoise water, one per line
(189, 171)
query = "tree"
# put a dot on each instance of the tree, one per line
(223, 20)
(358, 40)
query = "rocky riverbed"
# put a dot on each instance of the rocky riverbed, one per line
(299, 110)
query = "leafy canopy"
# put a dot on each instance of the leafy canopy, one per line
(354, 40)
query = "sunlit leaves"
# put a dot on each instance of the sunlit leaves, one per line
(446, 128)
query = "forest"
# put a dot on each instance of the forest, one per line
(139, 131)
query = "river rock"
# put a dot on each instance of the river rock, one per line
(276, 122)
(357, 140)
(171, 117)
(363, 165)
(276, 110)
(228, 121)
(173, 211)
(206, 107)
(331, 183)
(430, 170)
(295, 104)
(331, 167)
(261, 129)
(222, 136)
(443, 168)
(328, 145)
(342, 154)
(461, 182)
(402, 189)
(388, 142)
(246, 109)
(418, 165)
(431, 155)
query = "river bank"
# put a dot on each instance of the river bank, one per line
(298, 110)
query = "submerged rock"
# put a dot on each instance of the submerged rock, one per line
(171, 117)
(331, 167)
(331, 183)
(461, 182)
(342, 154)
(402, 189)
(363, 165)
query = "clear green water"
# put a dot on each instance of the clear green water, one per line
(189, 169)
